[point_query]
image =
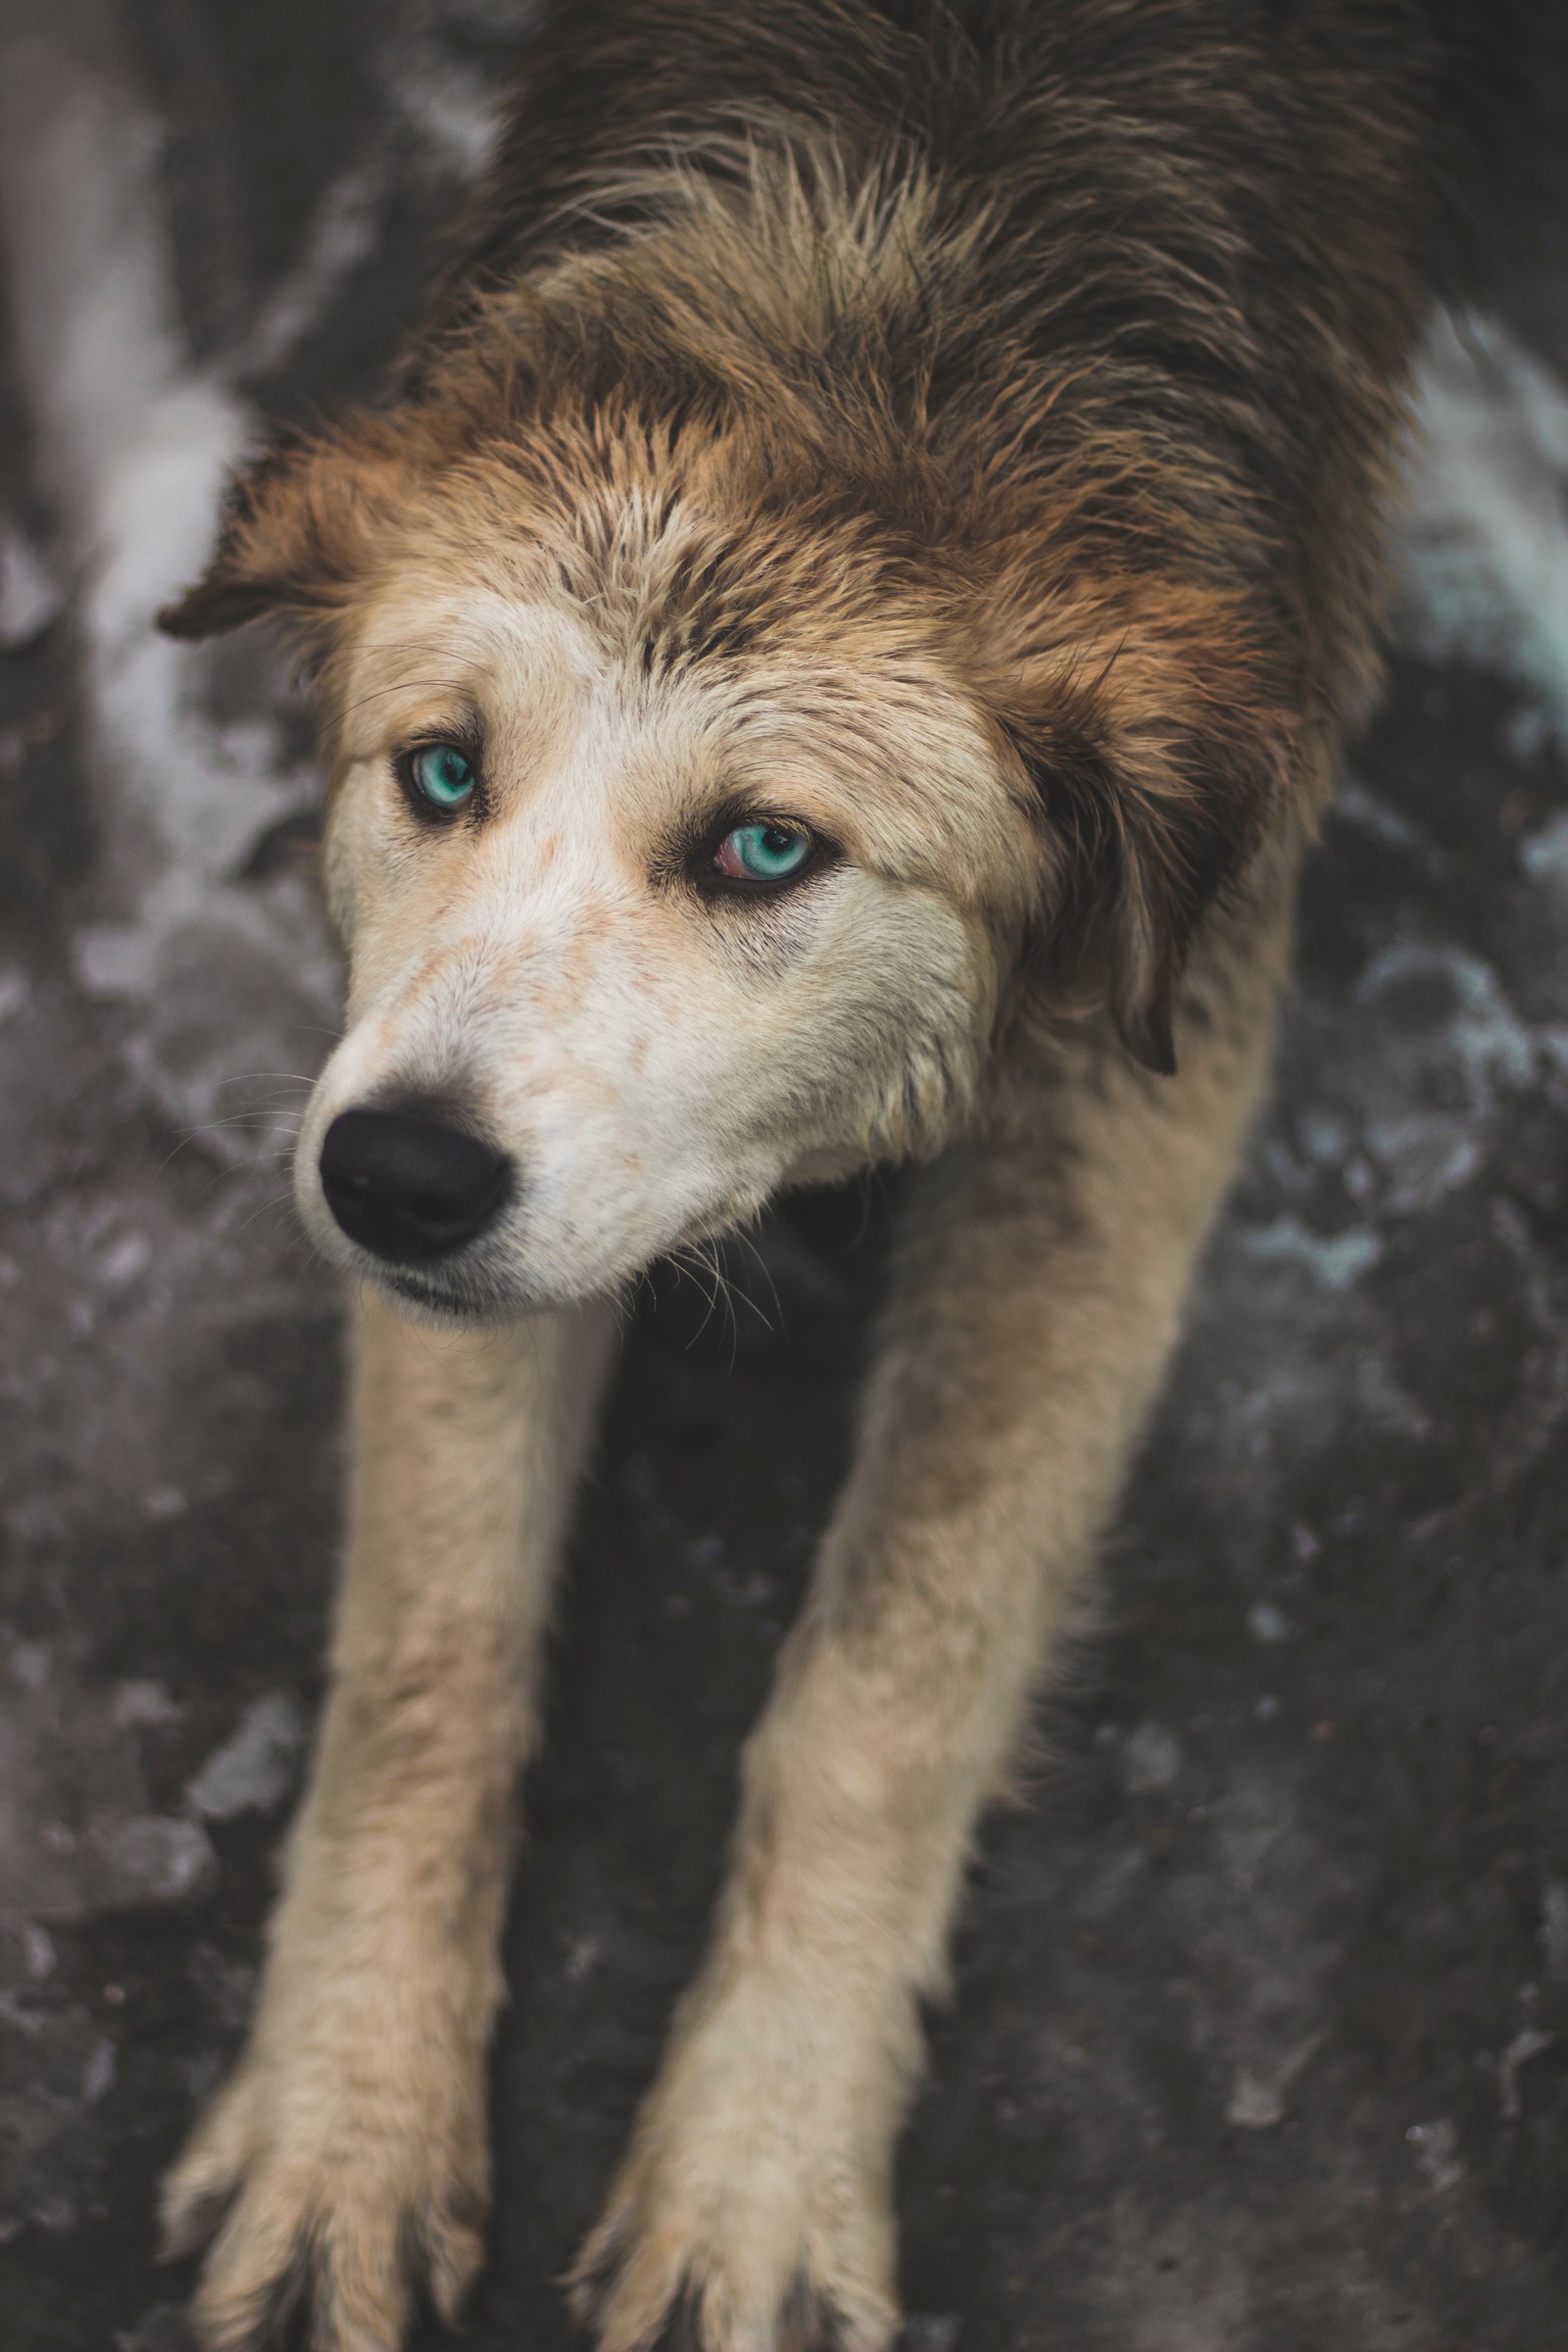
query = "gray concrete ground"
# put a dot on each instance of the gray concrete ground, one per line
(1259, 2034)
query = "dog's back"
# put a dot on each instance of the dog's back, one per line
(1171, 259)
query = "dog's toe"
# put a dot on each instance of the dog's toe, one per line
(200, 2186)
(256, 2271)
(727, 2277)
(346, 2220)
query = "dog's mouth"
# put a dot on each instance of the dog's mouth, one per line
(453, 1299)
(471, 1290)
(412, 1193)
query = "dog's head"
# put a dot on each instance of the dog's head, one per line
(696, 827)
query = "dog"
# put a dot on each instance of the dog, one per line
(831, 654)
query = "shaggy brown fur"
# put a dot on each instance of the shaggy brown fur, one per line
(1001, 401)
(1062, 311)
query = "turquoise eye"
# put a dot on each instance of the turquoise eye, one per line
(763, 853)
(443, 776)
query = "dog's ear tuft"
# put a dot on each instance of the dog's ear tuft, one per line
(213, 607)
(297, 531)
(1156, 758)
(1187, 813)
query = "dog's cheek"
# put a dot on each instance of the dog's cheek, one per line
(346, 849)
(932, 987)
(884, 1041)
(338, 889)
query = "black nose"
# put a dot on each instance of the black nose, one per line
(409, 1186)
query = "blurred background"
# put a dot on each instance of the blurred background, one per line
(1259, 2038)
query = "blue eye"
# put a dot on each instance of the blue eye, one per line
(763, 853)
(443, 775)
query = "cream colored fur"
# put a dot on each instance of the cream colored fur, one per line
(652, 1083)
(654, 1091)
(354, 2125)
(959, 434)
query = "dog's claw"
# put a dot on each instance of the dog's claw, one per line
(200, 2186)
(774, 2250)
(347, 2229)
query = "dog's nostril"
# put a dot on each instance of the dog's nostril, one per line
(408, 1186)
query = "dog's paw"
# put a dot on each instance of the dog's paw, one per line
(757, 2264)
(753, 2204)
(333, 2188)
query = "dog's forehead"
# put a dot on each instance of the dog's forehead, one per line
(546, 649)
(428, 643)
(586, 673)
(534, 677)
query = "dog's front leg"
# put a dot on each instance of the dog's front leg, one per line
(1038, 1296)
(349, 2147)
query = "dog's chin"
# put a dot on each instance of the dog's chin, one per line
(426, 1296)
(469, 1289)
(451, 1293)
(486, 1284)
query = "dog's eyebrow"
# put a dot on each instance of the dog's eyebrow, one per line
(417, 645)
(403, 686)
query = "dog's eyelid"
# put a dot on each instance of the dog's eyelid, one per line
(462, 729)
(699, 868)
(752, 809)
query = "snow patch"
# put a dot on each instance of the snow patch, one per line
(1483, 548)
(30, 594)
(344, 232)
(1544, 855)
(1436, 2147)
(98, 2075)
(1152, 1759)
(142, 1701)
(1554, 1930)
(455, 112)
(252, 1770)
(136, 445)
(1424, 1157)
(1530, 2043)
(1336, 1260)
(1258, 2100)
(151, 1858)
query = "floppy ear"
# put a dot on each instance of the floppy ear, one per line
(297, 532)
(1156, 758)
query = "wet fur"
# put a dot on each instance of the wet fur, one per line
(996, 407)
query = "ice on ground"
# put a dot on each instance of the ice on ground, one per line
(453, 111)
(1544, 855)
(1554, 1930)
(1530, 2043)
(1336, 1260)
(346, 229)
(1484, 545)
(30, 595)
(136, 445)
(1152, 1759)
(1436, 2147)
(1459, 1005)
(78, 1831)
(142, 1701)
(252, 1770)
(151, 1858)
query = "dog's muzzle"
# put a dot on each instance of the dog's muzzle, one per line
(410, 1187)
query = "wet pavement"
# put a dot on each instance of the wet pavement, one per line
(1259, 2033)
